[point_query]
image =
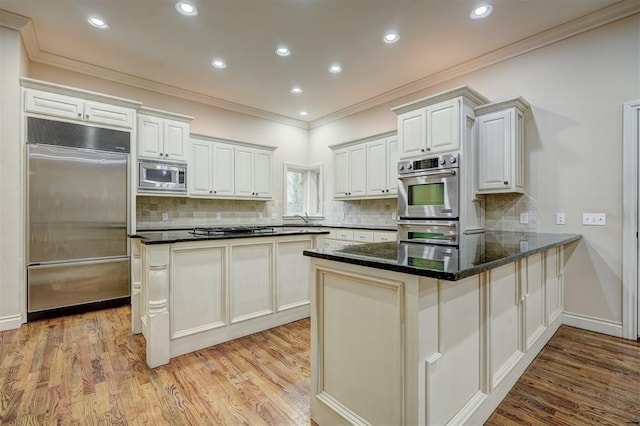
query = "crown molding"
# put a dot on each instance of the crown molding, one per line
(202, 137)
(12, 21)
(615, 12)
(518, 102)
(46, 58)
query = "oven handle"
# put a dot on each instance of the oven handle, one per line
(428, 223)
(447, 172)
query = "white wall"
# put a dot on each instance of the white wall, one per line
(573, 145)
(11, 239)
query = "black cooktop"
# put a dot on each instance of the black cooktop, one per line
(232, 230)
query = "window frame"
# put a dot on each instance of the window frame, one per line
(306, 194)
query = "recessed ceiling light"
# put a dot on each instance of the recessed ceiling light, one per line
(297, 90)
(283, 51)
(481, 11)
(390, 37)
(186, 8)
(335, 68)
(304, 113)
(97, 22)
(219, 63)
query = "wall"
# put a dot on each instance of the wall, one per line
(576, 88)
(12, 64)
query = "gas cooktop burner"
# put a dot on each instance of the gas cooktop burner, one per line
(232, 230)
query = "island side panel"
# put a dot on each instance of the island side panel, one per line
(156, 293)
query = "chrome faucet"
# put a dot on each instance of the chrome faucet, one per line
(305, 217)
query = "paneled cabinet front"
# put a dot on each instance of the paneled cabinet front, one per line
(382, 167)
(251, 281)
(253, 172)
(162, 139)
(350, 172)
(69, 107)
(211, 169)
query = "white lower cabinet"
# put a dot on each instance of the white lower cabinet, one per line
(251, 281)
(339, 238)
(198, 294)
(202, 272)
(443, 352)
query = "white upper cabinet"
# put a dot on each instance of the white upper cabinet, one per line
(435, 125)
(211, 169)
(350, 172)
(253, 168)
(366, 168)
(500, 144)
(72, 108)
(163, 135)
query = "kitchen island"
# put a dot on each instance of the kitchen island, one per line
(404, 333)
(194, 290)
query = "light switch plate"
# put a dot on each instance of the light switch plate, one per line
(218, 216)
(165, 216)
(524, 217)
(594, 219)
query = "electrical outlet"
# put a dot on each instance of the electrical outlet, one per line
(218, 216)
(273, 216)
(524, 217)
(560, 219)
(594, 219)
(260, 215)
(165, 216)
(394, 216)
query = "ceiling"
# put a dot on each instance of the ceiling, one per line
(149, 41)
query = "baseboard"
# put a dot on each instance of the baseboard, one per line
(11, 322)
(592, 324)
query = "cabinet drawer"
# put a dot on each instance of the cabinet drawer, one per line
(344, 235)
(379, 237)
(363, 236)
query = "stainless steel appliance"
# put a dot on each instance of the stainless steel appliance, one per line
(162, 176)
(444, 232)
(76, 217)
(429, 187)
(438, 258)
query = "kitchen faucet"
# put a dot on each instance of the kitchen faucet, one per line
(305, 217)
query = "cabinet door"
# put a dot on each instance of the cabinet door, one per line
(223, 159)
(262, 173)
(200, 170)
(443, 126)
(251, 282)
(341, 173)
(96, 112)
(176, 136)
(412, 133)
(505, 322)
(494, 151)
(53, 104)
(244, 172)
(377, 167)
(150, 137)
(293, 278)
(392, 165)
(534, 302)
(358, 170)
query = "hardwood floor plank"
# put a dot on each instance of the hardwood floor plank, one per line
(90, 370)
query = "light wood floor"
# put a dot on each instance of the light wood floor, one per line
(89, 369)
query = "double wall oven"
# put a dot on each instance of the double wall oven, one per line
(429, 200)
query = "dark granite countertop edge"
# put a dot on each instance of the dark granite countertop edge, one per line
(282, 225)
(192, 239)
(449, 276)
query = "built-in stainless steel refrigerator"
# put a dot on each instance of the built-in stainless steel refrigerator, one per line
(77, 221)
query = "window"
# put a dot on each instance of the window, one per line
(303, 190)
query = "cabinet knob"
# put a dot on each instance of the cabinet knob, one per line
(383, 190)
(506, 182)
(215, 192)
(166, 155)
(161, 154)
(86, 116)
(210, 192)
(428, 149)
(422, 150)
(387, 190)
(79, 115)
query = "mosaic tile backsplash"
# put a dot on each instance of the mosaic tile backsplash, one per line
(502, 212)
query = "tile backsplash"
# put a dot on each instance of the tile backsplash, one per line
(190, 212)
(502, 212)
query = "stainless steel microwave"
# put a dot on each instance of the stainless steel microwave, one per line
(162, 176)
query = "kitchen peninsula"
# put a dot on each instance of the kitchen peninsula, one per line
(194, 289)
(404, 333)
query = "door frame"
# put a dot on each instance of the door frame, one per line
(630, 220)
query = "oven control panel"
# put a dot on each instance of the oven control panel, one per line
(445, 161)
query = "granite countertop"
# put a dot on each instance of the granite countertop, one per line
(368, 227)
(477, 253)
(181, 236)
